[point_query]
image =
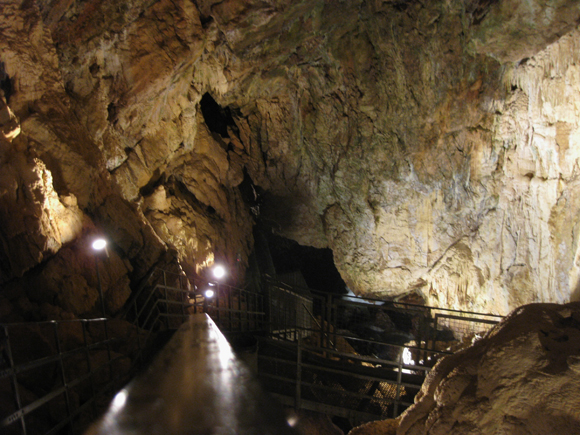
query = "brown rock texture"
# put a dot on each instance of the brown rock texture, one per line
(381, 427)
(433, 146)
(313, 423)
(522, 378)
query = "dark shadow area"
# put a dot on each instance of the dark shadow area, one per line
(342, 423)
(5, 83)
(160, 339)
(316, 265)
(217, 119)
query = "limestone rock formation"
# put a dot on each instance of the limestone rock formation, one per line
(61, 181)
(522, 378)
(433, 146)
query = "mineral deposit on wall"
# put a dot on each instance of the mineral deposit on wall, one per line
(433, 146)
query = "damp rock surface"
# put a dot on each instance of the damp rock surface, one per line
(522, 378)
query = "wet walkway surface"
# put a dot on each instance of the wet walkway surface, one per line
(196, 385)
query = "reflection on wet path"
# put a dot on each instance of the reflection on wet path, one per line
(196, 385)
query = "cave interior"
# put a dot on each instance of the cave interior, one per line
(401, 151)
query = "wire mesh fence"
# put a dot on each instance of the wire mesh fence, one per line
(453, 330)
(289, 310)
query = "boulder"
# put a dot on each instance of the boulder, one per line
(521, 378)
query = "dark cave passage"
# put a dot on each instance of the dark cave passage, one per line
(316, 265)
(218, 119)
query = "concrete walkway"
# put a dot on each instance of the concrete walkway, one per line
(196, 385)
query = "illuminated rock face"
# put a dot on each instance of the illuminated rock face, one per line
(520, 379)
(432, 147)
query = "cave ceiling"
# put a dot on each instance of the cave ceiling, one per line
(432, 145)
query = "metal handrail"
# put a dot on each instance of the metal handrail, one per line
(430, 320)
(148, 314)
(150, 317)
(396, 304)
(84, 347)
(153, 317)
(319, 325)
(301, 365)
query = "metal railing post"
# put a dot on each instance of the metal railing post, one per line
(336, 322)
(251, 308)
(217, 304)
(399, 380)
(298, 398)
(183, 296)
(63, 375)
(241, 325)
(323, 310)
(228, 308)
(105, 321)
(89, 368)
(261, 310)
(328, 317)
(287, 305)
(14, 380)
(100, 285)
(269, 320)
(425, 320)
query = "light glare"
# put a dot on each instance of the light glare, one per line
(219, 271)
(119, 401)
(408, 357)
(99, 244)
(209, 293)
(292, 420)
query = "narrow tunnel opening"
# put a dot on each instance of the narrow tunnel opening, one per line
(316, 265)
(217, 118)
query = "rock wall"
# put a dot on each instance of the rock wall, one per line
(416, 141)
(523, 248)
(431, 145)
(522, 378)
(98, 140)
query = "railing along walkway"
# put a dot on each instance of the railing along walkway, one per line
(329, 363)
(342, 383)
(196, 385)
(358, 358)
(56, 372)
(317, 351)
